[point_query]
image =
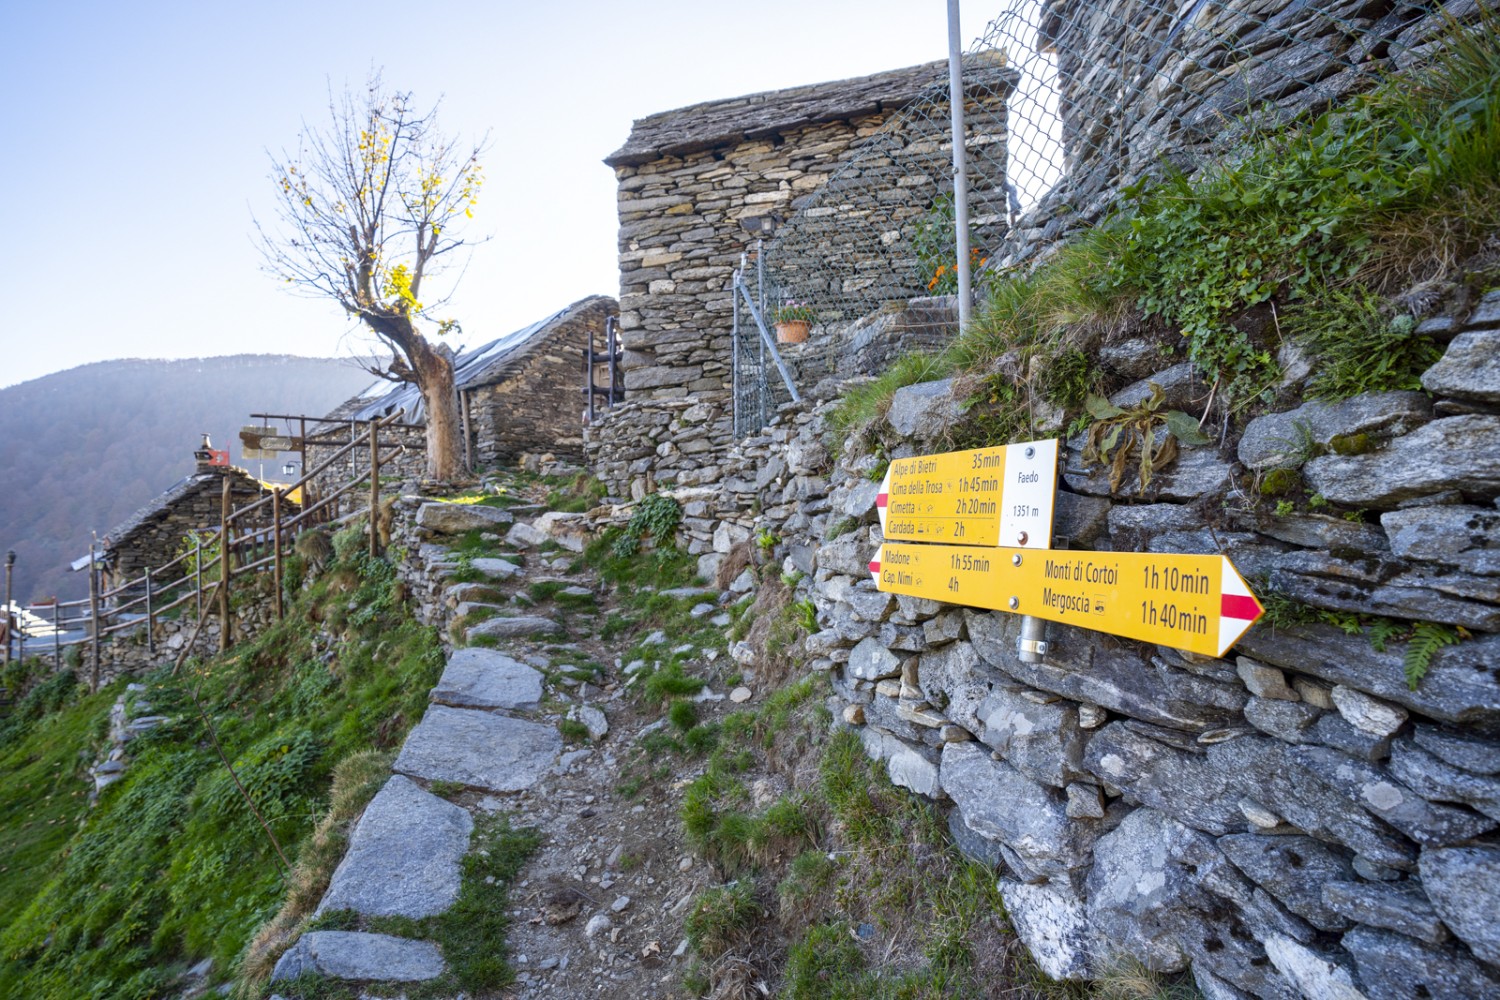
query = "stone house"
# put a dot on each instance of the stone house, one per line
(519, 393)
(152, 535)
(694, 183)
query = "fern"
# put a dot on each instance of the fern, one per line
(1382, 631)
(1426, 639)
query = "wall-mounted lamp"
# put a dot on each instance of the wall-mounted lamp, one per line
(760, 225)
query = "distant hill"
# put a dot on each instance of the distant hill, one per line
(82, 449)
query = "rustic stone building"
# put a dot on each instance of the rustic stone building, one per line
(519, 393)
(152, 535)
(693, 181)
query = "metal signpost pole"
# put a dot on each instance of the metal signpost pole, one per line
(960, 166)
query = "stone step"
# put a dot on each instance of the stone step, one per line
(403, 859)
(479, 749)
(515, 628)
(356, 955)
(486, 678)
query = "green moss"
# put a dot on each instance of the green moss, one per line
(1279, 482)
(1351, 444)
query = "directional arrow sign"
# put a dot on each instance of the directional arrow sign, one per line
(986, 496)
(1194, 602)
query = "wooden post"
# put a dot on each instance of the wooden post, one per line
(150, 617)
(374, 487)
(224, 564)
(10, 621)
(94, 616)
(198, 571)
(276, 548)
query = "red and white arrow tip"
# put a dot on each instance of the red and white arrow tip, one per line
(875, 564)
(883, 499)
(1238, 607)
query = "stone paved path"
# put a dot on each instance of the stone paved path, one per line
(406, 852)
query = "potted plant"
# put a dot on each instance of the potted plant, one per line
(793, 320)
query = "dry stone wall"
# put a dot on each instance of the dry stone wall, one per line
(1140, 82)
(157, 530)
(1291, 820)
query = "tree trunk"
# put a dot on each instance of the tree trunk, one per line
(445, 453)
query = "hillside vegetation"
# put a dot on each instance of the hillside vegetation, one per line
(81, 450)
(172, 866)
(1331, 239)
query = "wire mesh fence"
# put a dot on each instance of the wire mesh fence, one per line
(1067, 103)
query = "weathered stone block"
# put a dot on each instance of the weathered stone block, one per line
(1293, 869)
(1284, 439)
(1000, 802)
(1469, 369)
(1452, 453)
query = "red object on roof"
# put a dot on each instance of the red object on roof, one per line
(218, 457)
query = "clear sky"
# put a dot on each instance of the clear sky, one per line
(134, 148)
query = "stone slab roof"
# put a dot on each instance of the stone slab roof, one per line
(122, 534)
(728, 122)
(488, 364)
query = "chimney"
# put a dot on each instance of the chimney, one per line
(209, 460)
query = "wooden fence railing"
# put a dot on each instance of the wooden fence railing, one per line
(245, 543)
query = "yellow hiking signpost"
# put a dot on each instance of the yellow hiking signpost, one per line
(1199, 603)
(986, 496)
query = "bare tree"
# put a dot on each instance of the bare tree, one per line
(369, 209)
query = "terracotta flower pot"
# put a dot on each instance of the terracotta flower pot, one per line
(792, 331)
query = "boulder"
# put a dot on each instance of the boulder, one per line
(523, 535)
(1099, 670)
(1268, 772)
(478, 749)
(1459, 688)
(1196, 472)
(1001, 803)
(1434, 778)
(1178, 784)
(1293, 869)
(1376, 790)
(1313, 973)
(517, 627)
(924, 412)
(1042, 741)
(1456, 536)
(495, 568)
(1052, 921)
(1161, 893)
(1286, 720)
(870, 660)
(1369, 584)
(1464, 750)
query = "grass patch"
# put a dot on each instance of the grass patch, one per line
(172, 867)
(1360, 345)
(471, 933)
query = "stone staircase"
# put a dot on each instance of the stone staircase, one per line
(405, 855)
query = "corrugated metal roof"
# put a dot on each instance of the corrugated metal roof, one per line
(471, 369)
